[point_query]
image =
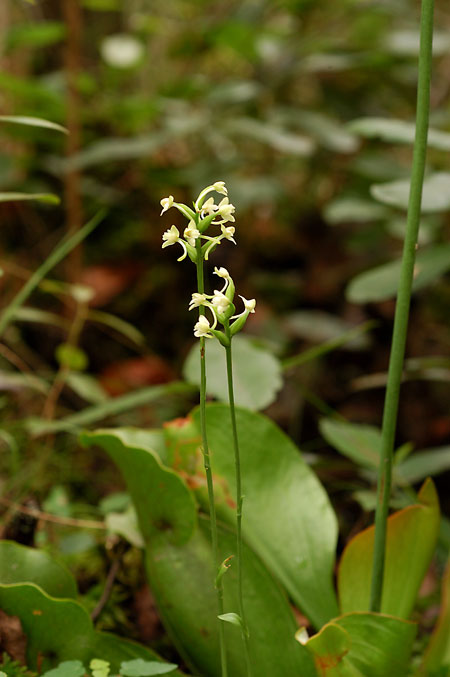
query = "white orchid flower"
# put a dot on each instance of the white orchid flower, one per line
(249, 304)
(166, 203)
(197, 300)
(226, 210)
(191, 233)
(224, 274)
(220, 302)
(220, 187)
(172, 236)
(249, 307)
(208, 208)
(228, 232)
(202, 328)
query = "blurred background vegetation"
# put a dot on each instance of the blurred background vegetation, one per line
(164, 97)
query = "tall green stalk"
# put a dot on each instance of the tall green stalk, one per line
(403, 304)
(239, 498)
(208, 472)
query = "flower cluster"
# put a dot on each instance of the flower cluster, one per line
(206, 213)
(222, 308)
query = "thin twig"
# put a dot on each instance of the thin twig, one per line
(48, 517)
(112, 573)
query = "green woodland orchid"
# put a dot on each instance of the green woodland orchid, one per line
(207, 213)
(198, 245)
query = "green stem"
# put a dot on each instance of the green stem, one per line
(403, 303)
(239, 498)
(208, 472)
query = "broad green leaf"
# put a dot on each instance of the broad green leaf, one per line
(363, 645)
(381, 283)
(125, 524)
(33, 122)
(20, 197)
(353, 209)
(397, 131)
(411, 538)
(328, 132)
(61, 629)
(349, 337)
(113, 150)
(271, 135)
(87, 387)
(256, 372)
(437, 654)
(19, 564)
(67, 669)
(112, 407)
(361, 443)
(288, 519)
(164, 505)
(435, 195)
(179, 578)
(179, 569)
(140, 668)
(424, 463)
(317, 326)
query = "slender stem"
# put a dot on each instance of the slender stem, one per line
(208, 472)
(403, 303)
(239, 498)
